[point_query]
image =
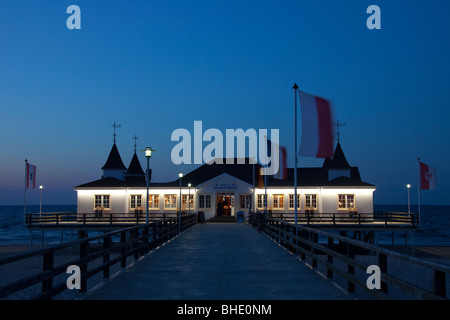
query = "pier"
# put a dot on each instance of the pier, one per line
(219, 261)
(261, 259)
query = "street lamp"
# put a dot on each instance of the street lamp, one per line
(189, 197)
(180, 175)
(409, 206)
(40, 202)
(148, 154)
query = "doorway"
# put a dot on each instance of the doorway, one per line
(223, 204)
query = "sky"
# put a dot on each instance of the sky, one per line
(156, 66)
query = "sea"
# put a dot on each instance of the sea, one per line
(434, 229)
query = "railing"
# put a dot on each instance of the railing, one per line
(136, 240)
(68, 219)
(351, 218)
(347, 256)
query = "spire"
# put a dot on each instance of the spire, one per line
(135, 168)
(338, 161)
(114, 161)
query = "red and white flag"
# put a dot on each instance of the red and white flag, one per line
(427, 177)
(31, 176)
(317, 137)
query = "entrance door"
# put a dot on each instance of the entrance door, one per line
(223, 205)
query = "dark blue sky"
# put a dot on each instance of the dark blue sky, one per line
(155, 66)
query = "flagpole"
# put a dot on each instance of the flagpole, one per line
(25, 189)
(419, 186)
(253, 206)
(265, 183)
(295, 87)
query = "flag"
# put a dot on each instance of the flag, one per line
(258, 177)
(427, 177)
(283, 168)
(317, 137)
(31, 176)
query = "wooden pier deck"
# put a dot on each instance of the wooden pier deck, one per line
(219, 262)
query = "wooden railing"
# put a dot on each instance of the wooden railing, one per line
(303, 240)
(68, 219)
(353, 218)
(132, 241)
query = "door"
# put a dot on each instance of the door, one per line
(223, 205)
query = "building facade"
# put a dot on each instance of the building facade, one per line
(225, 189)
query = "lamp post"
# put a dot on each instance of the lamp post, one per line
(40, 202)
(189, 197)
(148, 154)
(180, 175)
(408, 186)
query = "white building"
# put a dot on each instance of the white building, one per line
(225, 189)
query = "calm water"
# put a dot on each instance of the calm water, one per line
(434, 230)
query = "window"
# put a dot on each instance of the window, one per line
(170, 201)
(278, 201)
(261, 202)
(204, 201)
(101, 200)
(291, 201)
(346, 201)
(184, 199)
(311, 200)
(153, 201)
(245, 201)
(135, 201)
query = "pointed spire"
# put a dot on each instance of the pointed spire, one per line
(114, 160)
(338, 161)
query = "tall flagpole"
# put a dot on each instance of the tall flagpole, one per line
(265, 182)
(419, 186)
(25, 189)
(295, 87)
(252, 204)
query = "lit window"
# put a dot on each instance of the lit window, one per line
(135, 201)
(311, 200)
(184, 204)
(245, 201)
(101, 201)
(346, 201)
(170, 201)
(291, 201)
(278, 201)
(262, 200)
(153, 201)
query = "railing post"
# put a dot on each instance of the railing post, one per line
(106, 246)
(382, 263)
(48, 265)
(439, 285)
(330, 258)
(83, 266)
(315, 239)
(123, 249)
(351, 269)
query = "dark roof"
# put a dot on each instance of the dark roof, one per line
(315, 176)
(114, 160)
(135, 168)
(338, 161)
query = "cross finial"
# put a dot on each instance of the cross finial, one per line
(135, 141)
(337, 124)
(115, 126)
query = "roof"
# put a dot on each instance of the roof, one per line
(114, 160)
(314, 177)
(338, 161)
(135, 168)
